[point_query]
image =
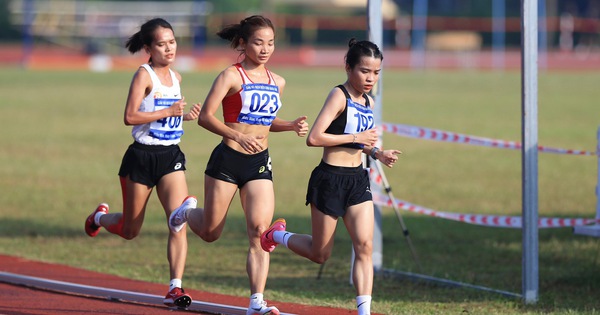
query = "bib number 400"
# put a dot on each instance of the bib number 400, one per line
(171, 122)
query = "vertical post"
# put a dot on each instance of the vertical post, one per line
(598, 183)
(498, 33)
(543, 33)
(28, 17)
(593, 230)
(198, 26)
(419, 30)
(529, 153)
(376, 36)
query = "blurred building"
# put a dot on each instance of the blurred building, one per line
(98, 27)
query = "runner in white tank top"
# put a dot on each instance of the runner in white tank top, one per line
(154, 108)
(165, 131)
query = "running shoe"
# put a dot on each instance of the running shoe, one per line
(263, 310)
(177, 298)
(91, 228)
(266, 239)
(177, 218)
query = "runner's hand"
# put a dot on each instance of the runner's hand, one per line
(367, 137)
(252, 144)
(389, 157)
(301, 126)
(177, 108)
(194, 112)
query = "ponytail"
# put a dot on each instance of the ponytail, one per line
(232, 33)
(243, 30)
(135, 43)
(145, 35)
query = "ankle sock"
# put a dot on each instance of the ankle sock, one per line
(256, 300)
(282, 237)
(363, 304)
(97, 218)
(175, 283)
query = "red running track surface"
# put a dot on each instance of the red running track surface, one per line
(24, 300)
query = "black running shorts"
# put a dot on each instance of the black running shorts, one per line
(332, 189)
(235, 167)
(147, 164)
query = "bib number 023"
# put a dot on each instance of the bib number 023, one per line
(264, 103)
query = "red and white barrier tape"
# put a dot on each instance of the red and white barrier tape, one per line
(446, 136)
(481, 219)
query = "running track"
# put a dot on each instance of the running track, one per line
(217, 58)
(19, 299)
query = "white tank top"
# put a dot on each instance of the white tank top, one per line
(165, 131)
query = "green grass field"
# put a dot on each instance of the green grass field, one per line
(64, 137)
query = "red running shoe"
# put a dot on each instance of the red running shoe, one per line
(266, 239)
(91, 228)
(176, 297)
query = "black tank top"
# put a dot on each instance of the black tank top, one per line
(338, 125)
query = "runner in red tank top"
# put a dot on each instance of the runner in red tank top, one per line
(251, 97)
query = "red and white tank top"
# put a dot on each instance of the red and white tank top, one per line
(254, 103)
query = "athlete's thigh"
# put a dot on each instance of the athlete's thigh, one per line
(172, 190)
(323, 230)
(359, 221)
(258, 202)
(136, 197)
(217, 199)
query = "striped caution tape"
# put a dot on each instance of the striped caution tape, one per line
(446, 136)
(480, 219)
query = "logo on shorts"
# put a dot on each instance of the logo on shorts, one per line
(261, 169)
(177, 166)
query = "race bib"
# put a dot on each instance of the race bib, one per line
(260, 103)
(359, 118)
(168, 128)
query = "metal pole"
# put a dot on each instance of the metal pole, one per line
(598, 182)
(498, 33)
(388, 190)
(376, 36)
(529, 45)
(543, 34)
(419, 31)
(28, 18)
(593, 230)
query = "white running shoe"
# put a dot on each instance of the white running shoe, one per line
(177, 218)
(263, 310)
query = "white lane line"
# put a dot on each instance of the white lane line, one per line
(114, 294)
